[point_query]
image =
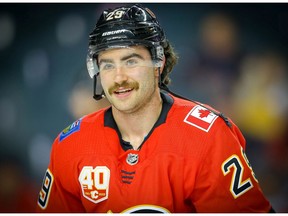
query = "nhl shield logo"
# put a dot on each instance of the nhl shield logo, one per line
(132, 159)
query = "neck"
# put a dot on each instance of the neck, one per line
(134, 127)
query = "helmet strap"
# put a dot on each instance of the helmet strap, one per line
(160, 82)
(95, 95)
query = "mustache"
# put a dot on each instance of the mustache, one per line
(125, 84)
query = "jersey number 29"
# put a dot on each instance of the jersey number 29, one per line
(233, 164)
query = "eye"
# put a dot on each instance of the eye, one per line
(131, 62)
(106, 66)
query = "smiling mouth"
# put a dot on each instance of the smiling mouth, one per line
(123, 88)
(123, 91)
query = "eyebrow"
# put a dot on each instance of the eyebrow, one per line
(132, 55)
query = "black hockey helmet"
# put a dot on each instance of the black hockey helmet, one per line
(123, 27)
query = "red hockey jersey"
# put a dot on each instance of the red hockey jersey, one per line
(191, 161)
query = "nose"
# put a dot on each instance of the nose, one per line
(120, 75)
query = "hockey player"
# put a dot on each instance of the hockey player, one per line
(151, 151)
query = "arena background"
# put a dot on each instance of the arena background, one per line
(233, 56)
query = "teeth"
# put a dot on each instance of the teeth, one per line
(123, 90)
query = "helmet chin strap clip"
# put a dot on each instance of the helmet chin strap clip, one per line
(96, 96)
(161, 84)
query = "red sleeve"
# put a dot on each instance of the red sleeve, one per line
(54, 195)
(226, 181)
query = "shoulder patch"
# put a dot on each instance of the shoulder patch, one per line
(201, 118)
(74, 127)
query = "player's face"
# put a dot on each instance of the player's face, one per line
(128, 77)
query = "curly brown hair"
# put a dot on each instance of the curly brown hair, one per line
(171, 60)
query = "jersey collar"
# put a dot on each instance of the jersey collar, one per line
(109, 120)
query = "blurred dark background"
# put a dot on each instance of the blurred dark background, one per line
(233, 56)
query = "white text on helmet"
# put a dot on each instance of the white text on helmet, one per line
(113, 32)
